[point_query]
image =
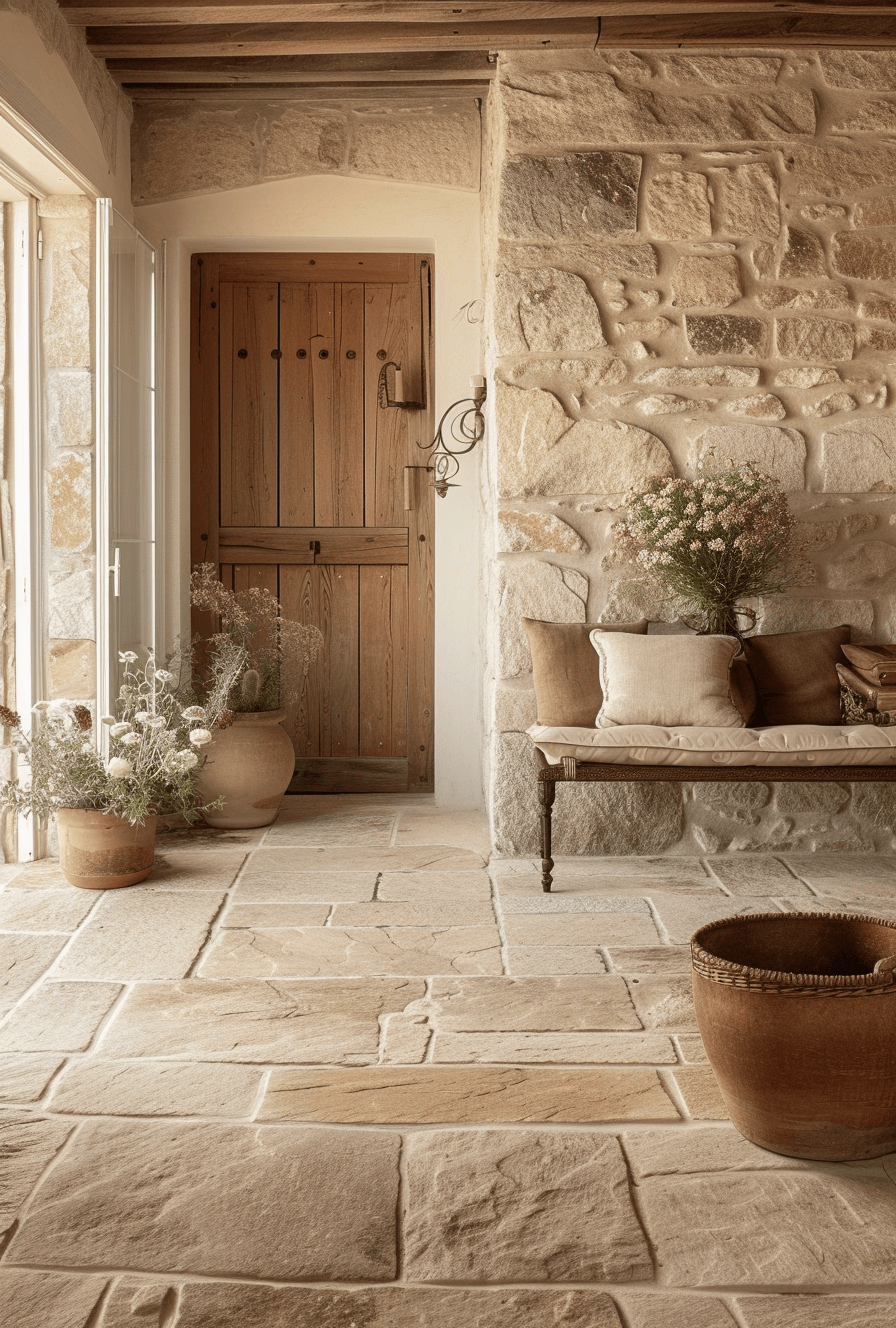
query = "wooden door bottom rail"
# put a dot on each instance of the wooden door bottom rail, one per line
(572, 771)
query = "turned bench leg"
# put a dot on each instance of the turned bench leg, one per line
(546, 792)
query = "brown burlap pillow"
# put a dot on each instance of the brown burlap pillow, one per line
(796, 676)
(743, 689)
(566, 670)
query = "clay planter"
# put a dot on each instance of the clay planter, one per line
(102, 852)
(800, 1029)
(250, 763)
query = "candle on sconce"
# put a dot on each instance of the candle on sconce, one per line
(399, 385)
(477, 381)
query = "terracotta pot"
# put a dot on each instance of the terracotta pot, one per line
(250, 763)
(798, 1016)
(102, 852)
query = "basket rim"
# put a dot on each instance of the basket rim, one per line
(704, 958)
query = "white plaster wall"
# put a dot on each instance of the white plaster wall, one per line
(344, 214)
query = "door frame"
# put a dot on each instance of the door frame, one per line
(207, 271)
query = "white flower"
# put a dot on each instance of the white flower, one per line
(131, 740)
(108, 719)
(86, 748)
(717, 545)
(127, 657)
(162, 675)
(193, 712)
(199, 737)
(185, 760)
(143, 715)
(118, 768)
(156, 722)
(118, 730)
(40, 707)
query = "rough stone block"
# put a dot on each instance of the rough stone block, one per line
(866, 568)
(72, 595)
(815, 297)
(70, 501)
(546, 108)
(501, 1205)
(669, 404)
(676, 206)
(603, 258)
(438, 145)
(69, 407)
(862, 70)
(788, 613)
(803, 255)
(50, 1300)
(72, 669)
(781, 453)
(867, 257)
(570, 197)
(814, 339)
(224, 149)
(841, 173)
(674, 1310)
(542, 452)
(534, 590)
(817, 1311)
(714, 375)
(220, 1198)
(860, 457)
(725, 334)
(320, 1021)
(747, 202)
(751, 1227)
(602, 369)
(706, 282)
(763, 406)
(303, 142)
(806, 376)
(875, 212)
(537, 532)
(544, 309)
(721, 71)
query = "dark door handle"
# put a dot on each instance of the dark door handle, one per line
(314, 546)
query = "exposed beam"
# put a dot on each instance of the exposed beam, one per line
(334, 91)
(336, 38)
(115, 13)
(254, 69)
(749, 30)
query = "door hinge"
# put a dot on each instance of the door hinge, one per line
(40, 245)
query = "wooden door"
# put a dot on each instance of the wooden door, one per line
(306, 481)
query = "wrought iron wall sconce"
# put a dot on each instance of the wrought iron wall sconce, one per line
(390, 389)
(465, 430)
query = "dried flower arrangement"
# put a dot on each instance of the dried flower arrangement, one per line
(154, 746)
(714, 541)
(257, 656)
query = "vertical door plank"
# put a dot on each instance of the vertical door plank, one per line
(347, 474)
(296, 409)
(375, 692)
(386, 431)
(249, 407)
(343, 664)
(204, 460)
(399, 619)
(325, 404)
(299, 600)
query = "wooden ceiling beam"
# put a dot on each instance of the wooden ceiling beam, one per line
(116, 13)
(380, 66)
(669, 29)
(337, 38)
(333, 91)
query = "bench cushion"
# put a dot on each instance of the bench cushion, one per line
(786, 745)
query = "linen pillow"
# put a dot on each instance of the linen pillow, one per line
(667, 680)
(743, 689)
(796, 676)
(565, 670)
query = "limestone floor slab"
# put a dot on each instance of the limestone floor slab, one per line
(756, 875)
(691, 1047)
(832, 1311)
(417, 913)
(197, 868)
(309, 858)
(669, 1310)
(59, 1016)
(702, 1095)
(330, 951)
(554, 959)
(333, 829)
(220, 1304)
(28, 1144)
(783, 1228)
(421, 825)
(23, 959)
(664, 1002)
(24, 1078)
(555, 1048)
(533, 1004)
(514, 1205)
(441, 1094)
(51, 910)
(705, 1149)
(445, 885)
(131, 935)
(868, 872)
(580, 929)
(156, 1088)
(50, 1300)
(320, 1022)
(658, 959)
(263, 884)
(574, 904)
(276, 915)
(259, 1201)
(681, 916)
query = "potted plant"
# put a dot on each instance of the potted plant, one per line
(714, 541)
(106, 803)
(254, 665)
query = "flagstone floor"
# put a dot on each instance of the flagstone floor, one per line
(343, 1073)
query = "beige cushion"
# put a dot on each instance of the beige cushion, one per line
(666, 680)
(565, 669)
(796, 676)
(743, 689)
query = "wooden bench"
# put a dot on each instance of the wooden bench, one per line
(569, 770)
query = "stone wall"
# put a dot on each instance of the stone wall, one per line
(689, 252)
(66, 286)
(181, 148)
